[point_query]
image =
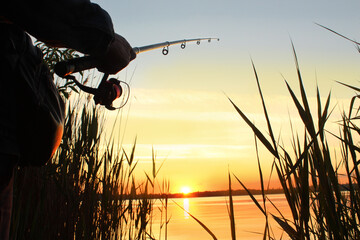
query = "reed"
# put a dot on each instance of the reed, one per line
(85, 192)
(321, 207)
(89, 189)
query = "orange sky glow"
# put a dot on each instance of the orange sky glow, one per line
(179, 103)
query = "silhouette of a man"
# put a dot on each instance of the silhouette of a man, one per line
(76, 24)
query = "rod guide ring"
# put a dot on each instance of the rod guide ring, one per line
(165, 50)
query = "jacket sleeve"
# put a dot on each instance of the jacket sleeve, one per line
(76, 24)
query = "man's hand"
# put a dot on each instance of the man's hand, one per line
(117, 57)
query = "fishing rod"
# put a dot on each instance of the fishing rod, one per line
(165, 45)
(110, 90)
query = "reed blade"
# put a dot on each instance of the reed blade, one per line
(257, 132)
(251, 196)
(264, 108)
(198, 221)
(231, 212)
(287, 228)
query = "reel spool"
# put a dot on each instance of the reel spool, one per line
(111, 93)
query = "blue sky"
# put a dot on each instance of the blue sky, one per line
(178, 104)
(260, 30)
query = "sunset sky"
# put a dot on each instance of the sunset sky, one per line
(179, 104)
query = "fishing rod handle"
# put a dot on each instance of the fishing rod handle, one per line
(74, 65)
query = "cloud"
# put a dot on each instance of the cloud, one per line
(172, 152)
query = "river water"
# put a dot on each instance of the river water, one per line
(212, 211)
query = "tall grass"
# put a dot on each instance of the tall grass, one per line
(85, 192)
(89, 189)
(321, 206)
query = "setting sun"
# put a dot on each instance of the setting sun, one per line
(185, 190)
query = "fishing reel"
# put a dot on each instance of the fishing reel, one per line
(110, 92)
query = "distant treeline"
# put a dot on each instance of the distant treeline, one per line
(208, 194)
(344, 187)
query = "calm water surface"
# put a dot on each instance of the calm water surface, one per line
(212, 211)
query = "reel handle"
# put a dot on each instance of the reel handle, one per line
(65, 68)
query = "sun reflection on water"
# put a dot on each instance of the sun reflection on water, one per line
(186, 206)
